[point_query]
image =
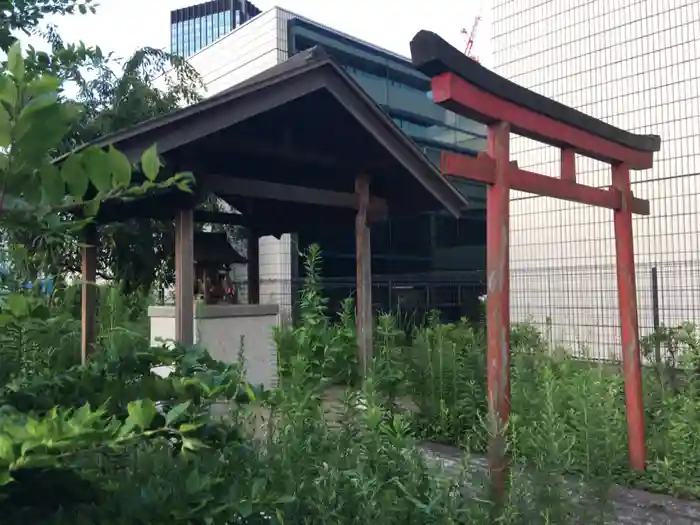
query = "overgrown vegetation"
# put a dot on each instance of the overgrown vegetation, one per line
(101, 94)
(111, 442)
(568, 416)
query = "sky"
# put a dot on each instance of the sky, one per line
(122, 26)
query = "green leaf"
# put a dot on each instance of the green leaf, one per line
(17, 304)
(7, 452)
(43, 85)
(245, 508)
(32, 190)
(97, 164)
(192, 444)
(38, 103)
(52, 185)
(176, 413)
(5, 478)
(121, 168)
(15, 62)
(187, 427)
(8, 91)
(142, 412)
(41, 311)
(5, 127)
(150, 163)
(258, 488)
(249, 391)
(183, 186)
(75, 176)
(37, 133)
(92, 207)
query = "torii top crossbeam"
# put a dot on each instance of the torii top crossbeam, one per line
(471, 90)
(467, 88)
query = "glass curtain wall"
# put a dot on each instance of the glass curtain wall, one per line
(426, 261)
(197, 26)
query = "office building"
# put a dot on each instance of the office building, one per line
(444, 254)
(196, 26)
(634, 64)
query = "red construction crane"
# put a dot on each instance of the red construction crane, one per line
(470, 41)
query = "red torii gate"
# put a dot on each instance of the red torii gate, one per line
(467, 88)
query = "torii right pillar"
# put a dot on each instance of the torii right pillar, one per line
(469, 89)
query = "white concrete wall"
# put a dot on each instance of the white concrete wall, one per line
(248, 50)
(220, 328)
(636, 65)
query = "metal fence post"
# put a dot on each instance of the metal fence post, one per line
(655, 311)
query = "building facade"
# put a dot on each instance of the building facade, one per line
(446, 256)
(196, 26)
(634, 64)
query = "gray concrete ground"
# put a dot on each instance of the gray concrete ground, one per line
(630, 507)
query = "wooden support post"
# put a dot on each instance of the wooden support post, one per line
(184, 277)
(364, 275)
(253, 267)
(627, 297)
(89, 292)
(497, 304)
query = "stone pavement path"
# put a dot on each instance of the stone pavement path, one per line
(631, 507)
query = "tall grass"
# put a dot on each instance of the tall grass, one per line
(567, 417)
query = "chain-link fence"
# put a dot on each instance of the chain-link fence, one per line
(574, 307)
(577, 307)
(455, 296)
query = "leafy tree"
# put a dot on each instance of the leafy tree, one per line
(137, 252)
(26, 15)
(117, 95)
(39, 195)
(113, 94)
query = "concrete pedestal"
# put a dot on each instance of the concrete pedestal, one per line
(219, 329)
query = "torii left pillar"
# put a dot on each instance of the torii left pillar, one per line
(498, 302)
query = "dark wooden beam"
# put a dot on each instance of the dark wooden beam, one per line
(89, 293)
(161, 205)
(285, 151)
(184, 277)
(217, 217)
(364, 275)
(234, 186)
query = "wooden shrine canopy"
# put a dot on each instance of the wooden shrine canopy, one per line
(299, 142)
(304, 122)
(471, 90)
